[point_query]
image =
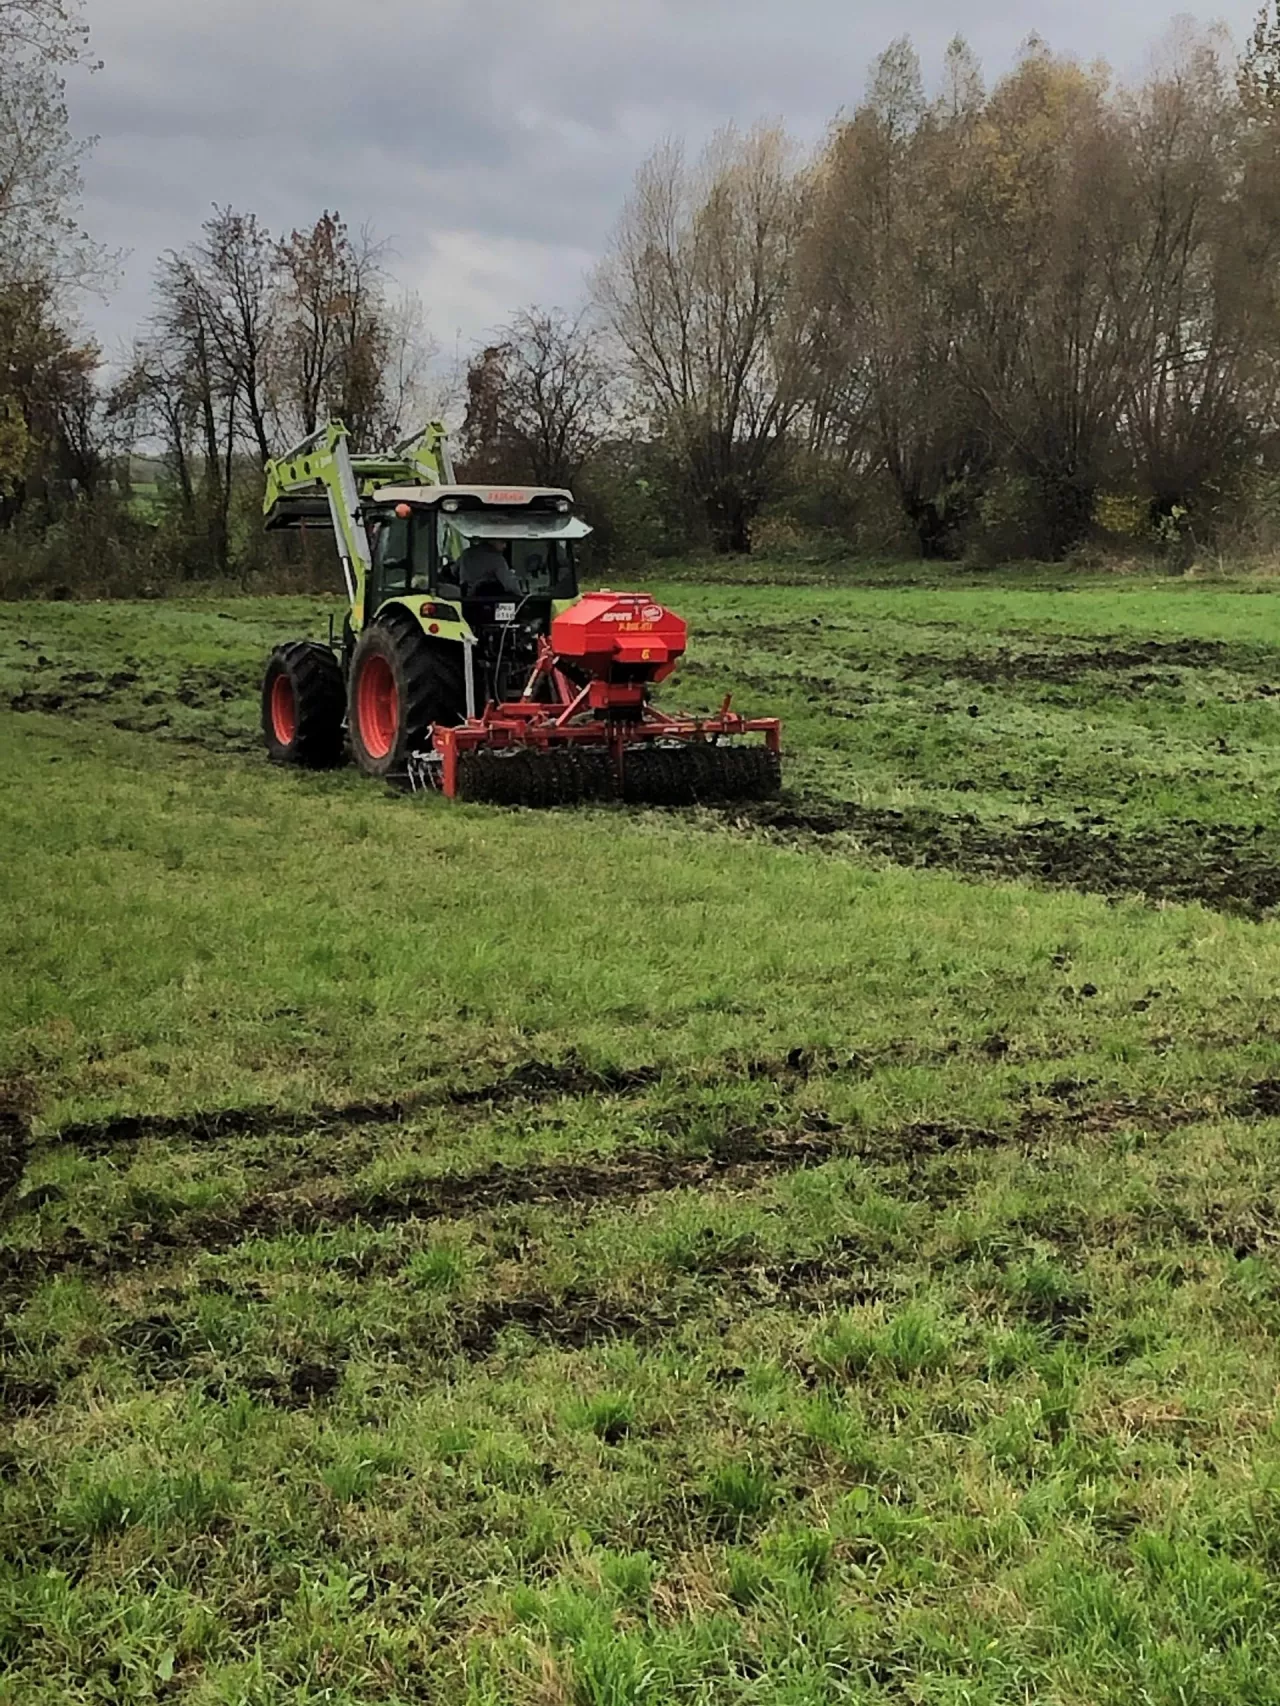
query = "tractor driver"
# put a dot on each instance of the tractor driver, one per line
(483, 571)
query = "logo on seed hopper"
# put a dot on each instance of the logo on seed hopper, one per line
(651, 613)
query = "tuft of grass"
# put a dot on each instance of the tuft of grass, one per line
(909, 1343)
(611, 1416)
(735, 1493)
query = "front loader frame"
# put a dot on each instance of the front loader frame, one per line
(320, 479)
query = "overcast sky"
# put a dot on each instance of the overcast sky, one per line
(490, 141)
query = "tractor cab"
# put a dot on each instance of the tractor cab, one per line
(446, 540)
(502, 557)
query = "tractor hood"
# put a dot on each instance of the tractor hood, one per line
(490, 524)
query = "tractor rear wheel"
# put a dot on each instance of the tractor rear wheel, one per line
(400, 684)
(303, 700)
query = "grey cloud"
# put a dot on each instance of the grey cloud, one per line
(491, 142)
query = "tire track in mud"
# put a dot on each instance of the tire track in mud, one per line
(532, 1082)
(630, 1174)
(1079, 655)
(166, 1345)
(743, 1160)
(16, 1103)
(1231, 868)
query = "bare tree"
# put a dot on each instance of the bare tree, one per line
(344, 348)
(40, 161)
(1194, 302)
(196, 394)
(407, 388)
(51, 31)
(312, 265)
(152, 400)
(48, 408)
(235, 269)
(697, 289)
(482, 442)
(883, 250)
(540, 399)
(1047, 196)
(1258, 75)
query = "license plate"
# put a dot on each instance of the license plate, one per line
(505, 613)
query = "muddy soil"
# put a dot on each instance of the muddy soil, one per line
(1078, 657)
(16, 1102)
(838, 1278)
(546, 1081)
(96, 1136)
(531, 1083)
(166, 1345)
(87, 692)
(1232, 868)
(745, 1157)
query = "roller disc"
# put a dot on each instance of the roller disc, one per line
(699, 773)
(561, 776)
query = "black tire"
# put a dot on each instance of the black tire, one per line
(401, 683)
(303, 704)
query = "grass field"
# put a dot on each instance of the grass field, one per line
(819, 1252)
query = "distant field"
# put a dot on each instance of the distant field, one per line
(782, 1255)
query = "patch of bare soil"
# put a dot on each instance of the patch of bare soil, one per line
(1232, 868)
(1077, 657)
(16, 1104)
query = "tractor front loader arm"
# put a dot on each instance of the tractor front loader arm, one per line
(427, 452)
(320, 481)
(319, 470)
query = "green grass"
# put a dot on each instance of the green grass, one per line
(616, 1258)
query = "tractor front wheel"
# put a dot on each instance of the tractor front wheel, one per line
(400, 683)
(303, 701)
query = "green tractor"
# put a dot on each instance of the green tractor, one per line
(449, 587)
(468, 662)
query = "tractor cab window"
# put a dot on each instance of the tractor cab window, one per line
(488, 566)
(402, 554)
(392, 561)
(544, 567)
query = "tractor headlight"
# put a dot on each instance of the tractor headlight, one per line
(564, 506)
(450, 504)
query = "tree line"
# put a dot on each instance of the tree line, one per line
(997, 321)
(999, 317)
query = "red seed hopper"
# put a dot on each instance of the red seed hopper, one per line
(584, 726)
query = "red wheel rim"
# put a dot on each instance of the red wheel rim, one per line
(284, 710)
(377, 707)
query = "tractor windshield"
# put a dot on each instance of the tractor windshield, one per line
(489, 562)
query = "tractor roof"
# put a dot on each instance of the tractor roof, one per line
(502, 497)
